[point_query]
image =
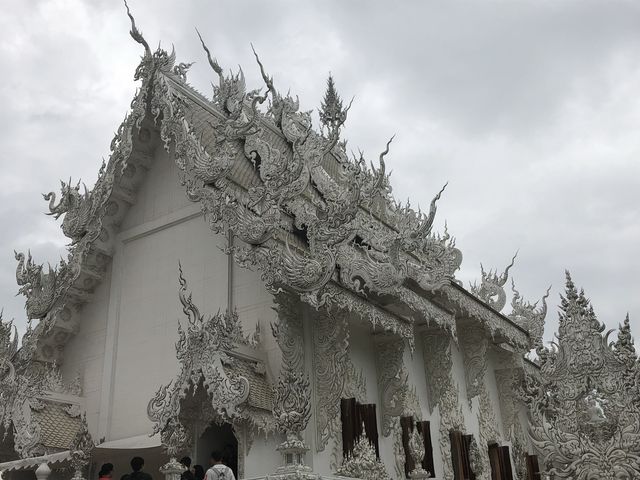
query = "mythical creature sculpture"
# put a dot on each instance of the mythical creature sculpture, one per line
(41, 289)
(414, 226)
(528, 316)
(491, 289)
(229, 96)
(585, 407)
(76, 207)
(367, 268)
(308, 272)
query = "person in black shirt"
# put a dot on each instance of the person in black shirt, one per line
(187, 474)
(198, 472)
(137, 463)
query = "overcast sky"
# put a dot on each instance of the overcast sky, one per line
(531, 111)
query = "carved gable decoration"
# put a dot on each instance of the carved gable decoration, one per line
(585, 407)
(209, 367)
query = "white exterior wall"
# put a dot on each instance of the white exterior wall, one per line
(84, 354)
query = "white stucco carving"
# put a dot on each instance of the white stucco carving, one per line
(323, 238)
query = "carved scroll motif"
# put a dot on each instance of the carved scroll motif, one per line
(507, 380)
(392, 381)
(443, 393)
(474, 344)
(330, 364)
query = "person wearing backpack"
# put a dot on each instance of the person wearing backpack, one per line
(218, 470)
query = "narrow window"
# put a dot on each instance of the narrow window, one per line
(349, 420)
(460, 455)
(367, 417)
(353, 417)
(505, 463)
(468, 473)
(424, 428)
(533, 469)
(500, 461)
(406, 423)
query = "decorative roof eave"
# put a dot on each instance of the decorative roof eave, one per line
(335, 294)
(500, 328)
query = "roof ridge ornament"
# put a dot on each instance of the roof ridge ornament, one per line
(230, 93)
(136, 34)
(151, 62)
(491, 288)
(526, 315)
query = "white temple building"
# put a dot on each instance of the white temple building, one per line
(235, 281)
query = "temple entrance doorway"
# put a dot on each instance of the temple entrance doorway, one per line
(218, 438)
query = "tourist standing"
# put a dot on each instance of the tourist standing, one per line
(106, 471)
(187, 474)
(218, 470)
(137, 464)
(198, 472)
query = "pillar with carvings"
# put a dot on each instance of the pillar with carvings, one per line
(292, 402)
(174, 438)
(443, 392)
(475, 347)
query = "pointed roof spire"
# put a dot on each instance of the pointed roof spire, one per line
(332, 114)
(624, 345)
(331, 106)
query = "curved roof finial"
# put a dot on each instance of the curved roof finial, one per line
(135, 33)
(266, 78)
(212, 61)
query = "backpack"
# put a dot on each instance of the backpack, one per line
(219, 473)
